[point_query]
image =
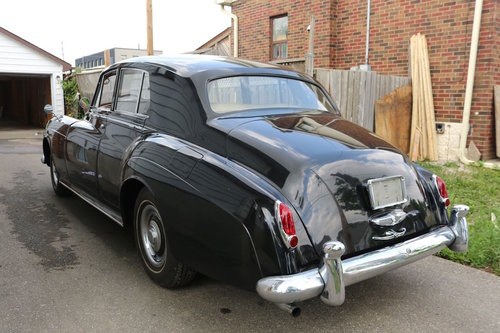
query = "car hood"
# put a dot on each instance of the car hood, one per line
(322, 164)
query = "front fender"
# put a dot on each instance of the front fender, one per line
(54, 142)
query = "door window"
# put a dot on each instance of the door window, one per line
(107, 89)
(129, 90)
(133, 94)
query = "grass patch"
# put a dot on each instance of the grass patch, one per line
(478, 188)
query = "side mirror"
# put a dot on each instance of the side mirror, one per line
(48, 109)
(84, 104)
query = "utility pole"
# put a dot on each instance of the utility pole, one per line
(149, 10)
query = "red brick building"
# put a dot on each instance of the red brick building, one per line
(276, 30)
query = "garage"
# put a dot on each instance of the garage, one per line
(29, 78)
(22, 99)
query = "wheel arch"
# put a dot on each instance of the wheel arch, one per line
(128, 195)
(46, 151)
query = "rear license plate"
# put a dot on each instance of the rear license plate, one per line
(387, 191)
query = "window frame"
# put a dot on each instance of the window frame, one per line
(119, 85)
(98, 97)
(118, 72)
(280, 42)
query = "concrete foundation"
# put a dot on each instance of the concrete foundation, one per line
(448, 143)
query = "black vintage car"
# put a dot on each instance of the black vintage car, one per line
(247, 173)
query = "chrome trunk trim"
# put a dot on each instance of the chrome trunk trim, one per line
(390, 219)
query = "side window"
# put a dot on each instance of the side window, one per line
(107, 89)
(129, 90)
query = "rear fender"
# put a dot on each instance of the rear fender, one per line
(432, 194)
(250, 199)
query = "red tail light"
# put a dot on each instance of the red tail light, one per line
(443, 192)
(286, 223)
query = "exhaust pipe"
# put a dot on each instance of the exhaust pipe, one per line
(290, 308)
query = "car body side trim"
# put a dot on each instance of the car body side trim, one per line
(99, 206)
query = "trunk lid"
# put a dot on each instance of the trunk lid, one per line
(323, 165)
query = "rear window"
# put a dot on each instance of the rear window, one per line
(262, 92)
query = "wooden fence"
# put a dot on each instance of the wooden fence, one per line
(87, 82)
(355, 92)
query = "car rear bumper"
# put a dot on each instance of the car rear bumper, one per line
(330, 279)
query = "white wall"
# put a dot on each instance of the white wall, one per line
(448, 143)
(17, 58)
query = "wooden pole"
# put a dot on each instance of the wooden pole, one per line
(149, 15)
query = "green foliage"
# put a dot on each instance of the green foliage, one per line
(70, 90)
(479, 188)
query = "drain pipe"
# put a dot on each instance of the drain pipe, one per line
(367, 48)
(235, 34)
(366, 65)
(235, 25)
(470, 84)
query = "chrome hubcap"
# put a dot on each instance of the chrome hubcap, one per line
(151, 235)
(154, 236)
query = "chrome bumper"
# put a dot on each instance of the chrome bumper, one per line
(330, 279)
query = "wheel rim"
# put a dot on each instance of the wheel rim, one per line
(151, 235)
(55, 175)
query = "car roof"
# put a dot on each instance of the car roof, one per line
(190, 65)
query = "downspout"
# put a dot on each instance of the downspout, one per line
(470, 84)
(235, 34)
(366, 65)
(310, 51)
(235, 30)
(367, 48)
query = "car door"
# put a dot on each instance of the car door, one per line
(84, 137)
(123, 125)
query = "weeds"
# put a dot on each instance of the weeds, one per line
(478, 188)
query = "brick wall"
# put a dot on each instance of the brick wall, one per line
(496, 49)
(340, 43)
(447, 26)
(482, 113)
(255, 28)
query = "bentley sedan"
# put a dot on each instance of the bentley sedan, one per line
(246, 173)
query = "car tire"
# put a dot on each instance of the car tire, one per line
(152, 243)
(59, 188)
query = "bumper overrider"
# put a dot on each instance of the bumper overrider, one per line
(330, 279)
